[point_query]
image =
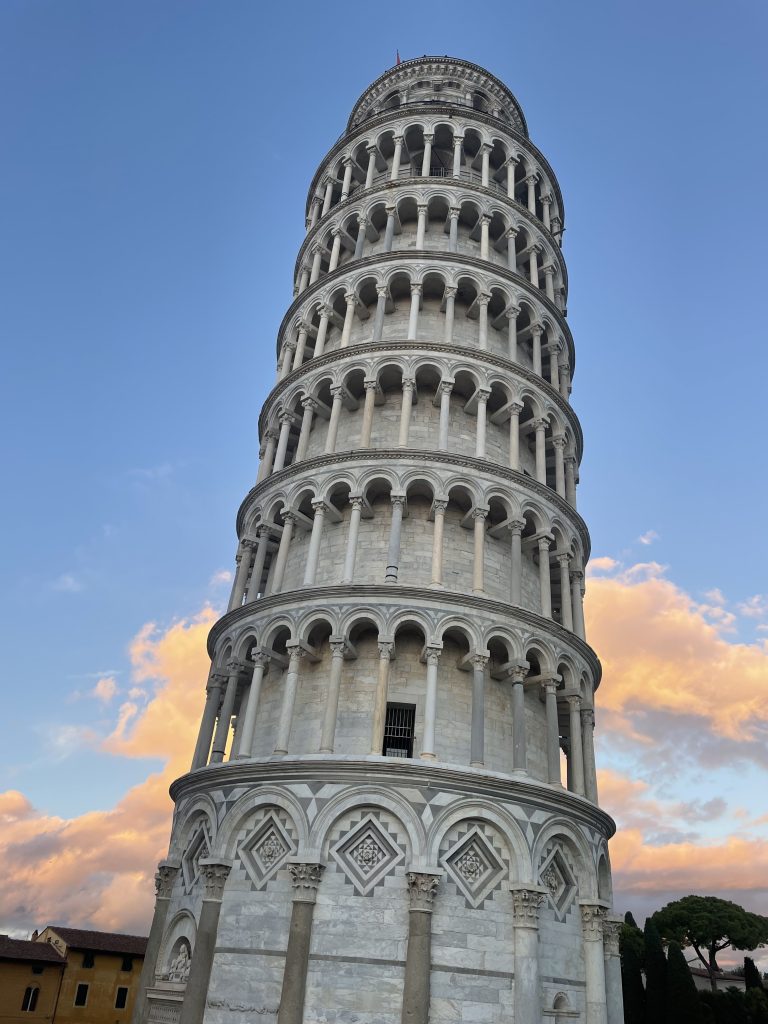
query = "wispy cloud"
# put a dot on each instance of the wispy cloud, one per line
(67, 583)
(220, 578)
(648, 537)
(755, 607)
(105, 689)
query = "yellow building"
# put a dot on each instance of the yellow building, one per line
(101, 974)
(30, 980)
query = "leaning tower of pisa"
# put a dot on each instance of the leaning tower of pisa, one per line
(392, 812)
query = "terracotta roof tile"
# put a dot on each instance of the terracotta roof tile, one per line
(22, 949)
(102, 942)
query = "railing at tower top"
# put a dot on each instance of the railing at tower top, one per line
(410, 171)
(443, 101)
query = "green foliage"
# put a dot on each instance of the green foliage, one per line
(632, 982)
(655, 976)
(735, 1007)
(756, 1003)
(631, 937)
(752, 978)
(682, 1004)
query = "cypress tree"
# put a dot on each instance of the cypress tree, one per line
(683, 1006)
(655, 976)
(632, 984)
(752, 977)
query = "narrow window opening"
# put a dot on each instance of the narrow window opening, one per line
(81, 995)
(29, 1003)
(121, 998)
(127, 963)
(88, 960)
(398, 730)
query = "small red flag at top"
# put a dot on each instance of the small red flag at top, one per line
(398, 61)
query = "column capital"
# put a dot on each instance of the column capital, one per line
(338, 391)
(416, 289)
(511, 232)
(453, 212)
(234, 666)
(611, 934)
(483, 299)
(260, 657)
(549, 686)
(356, 501)
(428, 136)
(480, 512)
(485, 218)
(408, 383)
(165, 876)
(450, 292)
(290, 344)
(338, 646)
(537, 330)
(515, 408)
(308, 402)
(512, 312)
(517, 673)
(548, 269)
(516, 526)
(432, 654)
(386, 647)
(486, 147)
(540, 424)
(514, 160)
(531, 179)
(319, 505)
(371, 385)
(398, 138)
(563, 557)
(288, 515)
(577, 576)
(536, 248)
(421, 208)
(593, 916)
(286, 417)
(544, 541)
(439, 505)
(397, 499)
(215, 873)
(305, 879)
(295, 650)
(371, 147)
(483, 394)
(588, 718)
(479, 660)
(382, 291)
(546, 198)
(421, 890)
(347, 161)
(574, 701)
(446, 386)
(526, 901)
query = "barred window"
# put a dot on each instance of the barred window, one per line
(398, 730)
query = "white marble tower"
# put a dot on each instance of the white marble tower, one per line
(392, 811)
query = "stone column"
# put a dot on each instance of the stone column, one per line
(577, 602)
(614, 995)
(453, 229)
(328, 182)
(540, 426)
(479, 514)
(208, 723)
(225, 714)
(430, 703)
(426, 162)
(457, 141)
(533, 252)
(287, 357)
(265, 467)
(214, 873)
(260, 665)
(371, 387)
(304, 279)
(320, 508)
(485, 152)
(511, 250)
(477, 736)
(519, 740)
(514, 435)
(356, 501)
(421, 225)
(511, 165)
(362, 225)
(338, 393)
(371, 168)
(566, 611)
(544, 583)
(450, 302)
(389, 230)
(328, 732)
(516, 527)
(164, 880)
(483, 394)
(409, 386)
(549, 286)
(395, 530)
(530, 181)
(558, 443)
(536, 332)
(512, 313)
(243, 560)
(446, 387)
(295, 653)
(378, 322)
(317, 256)
(546, 200)
(396, 158)
(588, 744)
(301, 344)
(526, 902)
(345, 185)
(386, 648)
(418, 959)
(286, 422)
(565, 381)
(576, 755)
(333, 261)
(570, 481)
(482, 305)
(549, 687)
(289, 518)
(309, 405)
(305, 879)
(413, 318)
(592, 917)
(438, 508)
(314, 216)
(485, 222)
(322, 329)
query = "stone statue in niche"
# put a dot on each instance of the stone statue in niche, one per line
(179, 969)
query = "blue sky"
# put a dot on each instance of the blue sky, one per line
(155, 167)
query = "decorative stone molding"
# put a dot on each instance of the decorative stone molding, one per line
(305, 879)
(214, 874)
(611, 934)
(165, 878)
(593, 917)
(526, 903)
(421, 890)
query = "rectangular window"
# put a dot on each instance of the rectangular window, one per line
(398, 730)
(37, 970)
(81, 996)
(121, 998)
(88, 959)
(127, 963)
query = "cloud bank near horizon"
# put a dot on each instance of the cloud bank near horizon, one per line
(681, 706)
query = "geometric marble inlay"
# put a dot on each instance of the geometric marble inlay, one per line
(473, 866)
(366, 854)
(561, 885)
(265, 851)
(199, 846)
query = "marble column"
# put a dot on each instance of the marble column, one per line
(516, 527)
(421, 226)
(413, 318)
(512, 313)
(549, 281)
(530, 181)
(517, 674)
(378, 321)
(333, 260)
(512, 249)
(482, 331)
(362, 226)
(514, 435)
(260, 664)
(225, 714)
(457, 141)
(453, 229)
(386, 649)
(346, 183)
(483, 394)
(577, 602)
(566, 609)
(356, 501)
(328, 182)
(278, 575)
(549, 688)
(592, 917)
(243, 560)
(576, 752)
(322, 330)
(395, 532)
(570, 481)
(309, 405)
(214, 874)
(212, 701)
(371, 387)
(164, 881)
(426, 162)
(317, 256)
(287, 358)
(286, 422)
(438, 509)
(588, 744)
(265, 466)
(328, 732)
(485, 222)
(544, 582)
(526, 902)
(534, 252)
(540, 426)
(305, 879)
(301, 344)
(409, 386)
(389, 230)
(614, 996)
(295, 653)
(477, 733)
(396, 158)
(485, 153)
(430, 703)
(446, 387)
(511, 166)
(338, 392)
(536, 332)
(546, 201)
(371, 168)
(479, 515)
(319, 508)
(450, 303)
(418, 958)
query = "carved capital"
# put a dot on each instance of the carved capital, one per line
(381, 291)
(288, 515)
(356, 501)
(540, 424)
(305, 879)
(446, 387)
(517, 673)
(516, 526)
(421, 890)
(398, 500)
(544, 543)
(450, 292)
(588, 718)
(483, 299)
(611, 935)
(318, 505)
(439, 506)
(165, 876)
(409, 384)
(525, 907)
(386, 647)
(479, 661)
(512, 312)
(432, 655)
(214, 876)
(564, 558)
(295, 652)
(415, 289)
(309, 403)
(338, 648)
(480, 512)
(234, 667)
(593, 916)
(260, 657)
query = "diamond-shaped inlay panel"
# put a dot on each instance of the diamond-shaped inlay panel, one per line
(473, 866)
(199, 846)
(265, 851)
(561, 885)
(366, 855)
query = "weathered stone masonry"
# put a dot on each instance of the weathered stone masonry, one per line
(391, 813)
